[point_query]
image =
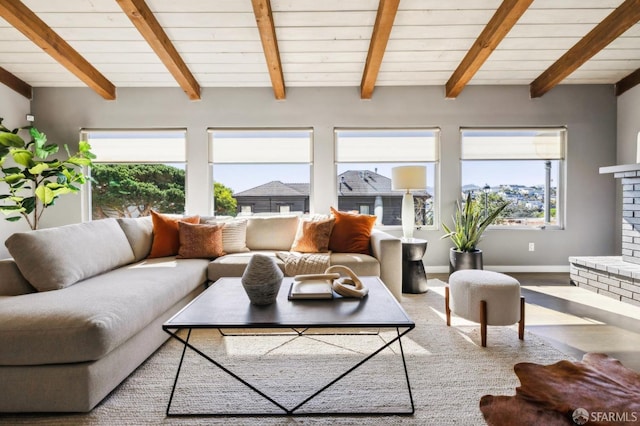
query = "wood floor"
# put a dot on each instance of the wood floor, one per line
(576, 320)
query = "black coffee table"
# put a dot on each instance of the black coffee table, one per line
(225, 305)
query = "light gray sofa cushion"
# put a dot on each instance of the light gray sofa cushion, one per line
(139, 232)
(12, 283)
(233, 265)
(362, 264)
(86, 321)
(55, 258)
(271, 232)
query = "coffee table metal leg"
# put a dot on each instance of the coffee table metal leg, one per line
(293, 410)
(406, 372)
(399, 340)
(175, 381)
(220, 366)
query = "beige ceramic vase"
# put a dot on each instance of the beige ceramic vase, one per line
(262, 279)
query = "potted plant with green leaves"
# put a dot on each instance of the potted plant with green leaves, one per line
(32, 180)
(469, 223)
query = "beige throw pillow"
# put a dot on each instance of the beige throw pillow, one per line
(271, 232)
(234, 236)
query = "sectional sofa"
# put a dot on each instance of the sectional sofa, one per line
(81, 306)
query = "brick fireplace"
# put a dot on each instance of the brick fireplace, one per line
(616, 276)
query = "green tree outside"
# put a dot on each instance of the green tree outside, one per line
(223, 201)
(131, 190)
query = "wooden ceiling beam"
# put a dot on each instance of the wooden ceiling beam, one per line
(381, 31)
(628, 82)
(267, 29)
(149, 27)
(25, 21)
(498, 27)
(14, 83)
(611, 27)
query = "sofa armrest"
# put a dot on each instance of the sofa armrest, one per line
(388, 250)
(12, 283)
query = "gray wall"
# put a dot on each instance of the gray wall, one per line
(628, 128)
(589, 112)
(13, 109)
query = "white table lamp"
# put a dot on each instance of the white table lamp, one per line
(407, 178)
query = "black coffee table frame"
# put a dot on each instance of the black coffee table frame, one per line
(364, 314)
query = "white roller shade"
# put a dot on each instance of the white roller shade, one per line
(353, 146)
(547, 144)
(268, 146)
(138, 147)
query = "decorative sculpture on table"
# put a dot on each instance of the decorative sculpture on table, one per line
(322, 286)
(262, 279)
(349, 286)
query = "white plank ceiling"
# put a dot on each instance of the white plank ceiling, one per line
(321, 42)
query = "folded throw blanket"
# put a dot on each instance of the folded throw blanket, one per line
(304, 263)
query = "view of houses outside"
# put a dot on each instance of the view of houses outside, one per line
(518, 165)
(366, 188)
(125, 190)
(133, 189)
(521, 183)
(362, 191)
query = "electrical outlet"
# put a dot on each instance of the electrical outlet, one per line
(532, 247)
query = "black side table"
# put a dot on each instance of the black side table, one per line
(414, 277)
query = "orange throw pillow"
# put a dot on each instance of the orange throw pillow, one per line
(200, 241)
(313, 236)
(351, 232)
(166, 240)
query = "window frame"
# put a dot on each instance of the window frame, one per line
(436, 130)
(211, 161)
(86, 199)
(561, 189)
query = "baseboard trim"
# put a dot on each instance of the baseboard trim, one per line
(506, 268)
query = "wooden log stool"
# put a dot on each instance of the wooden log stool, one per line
(485, 297)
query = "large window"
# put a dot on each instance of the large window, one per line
(521, 166)
(364, 159)
(261, 171)
(136, 171)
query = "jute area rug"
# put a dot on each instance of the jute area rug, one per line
(448, 369)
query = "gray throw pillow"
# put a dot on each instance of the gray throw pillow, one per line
(55, 258)
(139, 232)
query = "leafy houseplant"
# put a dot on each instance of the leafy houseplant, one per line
(469, 224)
(34, 181)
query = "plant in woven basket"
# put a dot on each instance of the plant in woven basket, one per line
(34, 181)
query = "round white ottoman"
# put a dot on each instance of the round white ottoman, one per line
(486, 297)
